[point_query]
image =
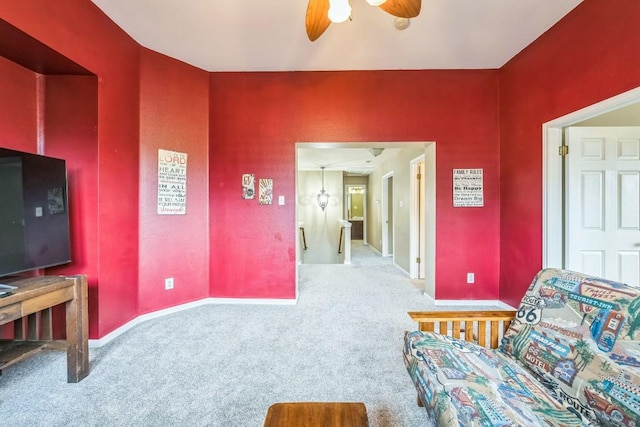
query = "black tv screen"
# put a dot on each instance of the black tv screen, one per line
(34, 212)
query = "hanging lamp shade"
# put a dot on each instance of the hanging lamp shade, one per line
(323, 196)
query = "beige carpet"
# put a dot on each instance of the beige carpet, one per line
(224, 365)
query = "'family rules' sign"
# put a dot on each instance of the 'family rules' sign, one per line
(468, 190)
(172, 183)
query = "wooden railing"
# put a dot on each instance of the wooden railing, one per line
(304, 240)
(485, 328)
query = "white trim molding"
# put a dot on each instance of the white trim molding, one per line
(474, 303)
(161, 313)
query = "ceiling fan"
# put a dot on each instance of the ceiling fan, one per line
(321, 13)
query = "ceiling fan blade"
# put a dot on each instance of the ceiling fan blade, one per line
(317, 18)
(402, 8)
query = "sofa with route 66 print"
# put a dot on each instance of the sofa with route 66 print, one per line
(570, 356)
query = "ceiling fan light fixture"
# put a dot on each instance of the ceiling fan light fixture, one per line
(339, 10)
(321, 13)
(401, 23)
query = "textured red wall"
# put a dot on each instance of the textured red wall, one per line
(81, 32)
(174, 106)
(18, 106)
(71, 133)
(256, 119)
(591, 55)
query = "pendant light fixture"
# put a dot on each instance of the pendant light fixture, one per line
(323, 196)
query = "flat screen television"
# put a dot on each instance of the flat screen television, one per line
(34, 212)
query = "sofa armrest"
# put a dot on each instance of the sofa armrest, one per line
(482, 327)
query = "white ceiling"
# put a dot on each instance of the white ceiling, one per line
(352, 160)
(269, 35)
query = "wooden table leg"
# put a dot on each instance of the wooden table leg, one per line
(78, 332)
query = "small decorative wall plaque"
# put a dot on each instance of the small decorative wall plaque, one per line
(468, 188)
(248, 184)
(266, 191)
(172, 182)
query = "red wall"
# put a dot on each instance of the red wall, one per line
(81, 32)
(174, 115)
(70, 133)
(18, 107)
(479, 119)
(589, 56)
(256, 119)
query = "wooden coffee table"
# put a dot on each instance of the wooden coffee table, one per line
(317, 414)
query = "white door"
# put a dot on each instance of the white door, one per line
(418, 231)
(603, 202)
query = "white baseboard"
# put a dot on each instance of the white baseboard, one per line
(485, 302)
(164, 312)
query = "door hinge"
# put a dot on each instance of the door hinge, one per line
(419, 176)
(417, 260)
(563, 150)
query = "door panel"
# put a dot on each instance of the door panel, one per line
(603, 202)
(390, 238)
(421, 220)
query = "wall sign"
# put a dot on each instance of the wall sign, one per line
(266, 191)
(172, 183)
(468, 190)
(248, 184)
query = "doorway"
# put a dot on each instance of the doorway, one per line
(387, 215)
(310, 156)
(356, 210)
(556, 232)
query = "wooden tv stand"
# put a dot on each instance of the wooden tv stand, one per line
(29, 307)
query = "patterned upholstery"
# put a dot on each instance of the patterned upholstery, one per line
(570, 357)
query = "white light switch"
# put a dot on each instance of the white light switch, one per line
(39, 211)
(281, 200)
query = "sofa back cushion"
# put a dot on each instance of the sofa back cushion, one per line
(579, 336)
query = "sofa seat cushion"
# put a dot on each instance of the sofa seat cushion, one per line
(579, 336)
(461, 383)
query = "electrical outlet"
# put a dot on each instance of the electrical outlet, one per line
(168, 283)
(471, 278)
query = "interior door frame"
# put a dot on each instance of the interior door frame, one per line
(386, 245)
(414, 243)
(553, 229)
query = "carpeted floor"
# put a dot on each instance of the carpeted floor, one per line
(224, 365)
